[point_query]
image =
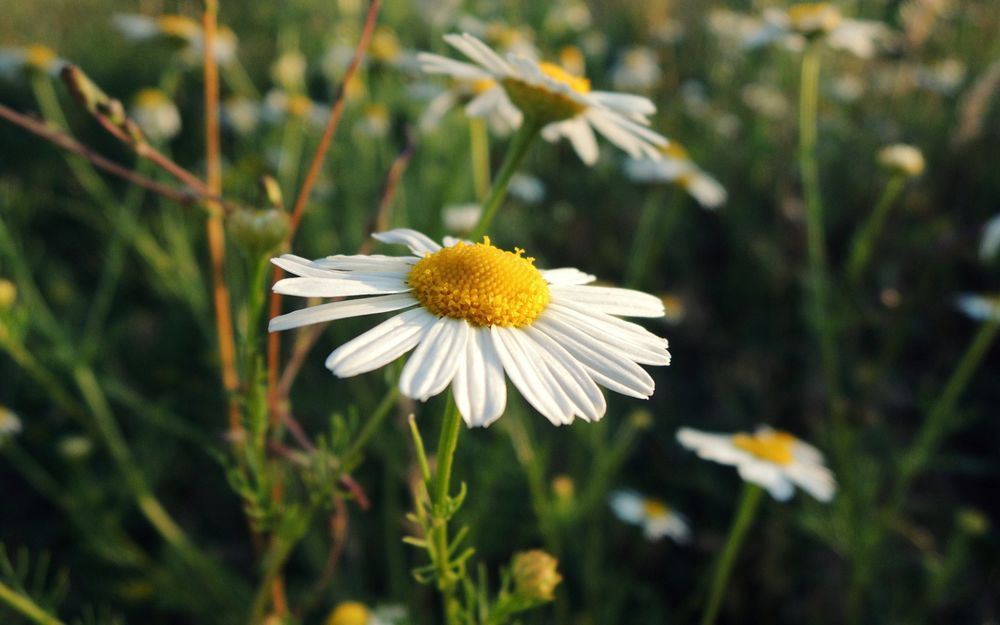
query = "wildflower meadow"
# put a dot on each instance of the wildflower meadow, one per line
(498, 312)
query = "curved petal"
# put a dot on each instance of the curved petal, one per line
(611, 300)
(566, 276)
(342, 285)
(479, 385)
(433, 364)
(520, 364)
(340, 310)
(381, 345)
(768, 476)
(570, 376)
(418, 242)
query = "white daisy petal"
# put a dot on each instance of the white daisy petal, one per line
(368, 264)
(437, 64)
(418, 242)
(716, 447)
(605, 364)
(815, 479)
(347, 285)
(581, 137)
(636, 140)
(629, 506)
(486, 102)
(613, 301)
(479, 385)
(381, 345)
(629, 339)
(433, 364)
(341, 310)
(522, 367)
(769, 477)
(572, 377)
(298, 266)
(624, 103)
(480, 53)
(565, 276)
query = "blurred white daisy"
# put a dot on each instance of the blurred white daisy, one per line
(10, 424)
(979, 307)
(188, 31)
(241, 114)
(655, 517)
(902, 159)
(989, 245)
(775, 460)
(474, 312)
(563, 103)
(677, 167)
(526, 188)
(289, 71)
(793, 26)
(483, 99)
(282, 105)
(461, 218)
(34, 57)
(637, 69)
(156, 114)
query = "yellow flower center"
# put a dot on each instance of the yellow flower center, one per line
(770, 445)
(675, 151)
(179, 26)
(480, 283)
(814, 18)
(39, 57)
(349, 613)
(299, 105)
(545, 105)
(151, 98)
(655, 509)
(481, 85)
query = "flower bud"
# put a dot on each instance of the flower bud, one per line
(902, 159)
(8, 295)
(258, 232)
(535, 575)
(563, 487)
(349, 613)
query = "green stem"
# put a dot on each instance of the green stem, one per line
(26, 606)
(479, 140)
(936, 425)
(816, 243)
(655, 225)
(374, 422)
(515, 154)
(741, 523)
(864, 240)
(447, 445)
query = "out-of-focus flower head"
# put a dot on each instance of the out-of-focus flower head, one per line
(10, 424)
(240, 114)
(774, 460)
(801, 22)
(677, 167)
(33, 57)
(156, 114)
(535, 574)
(943, 77)
(656, 518)
(289, 71)
(989, 245)
(179, 28)
(766, 101)
(526, 188)
(8, 295)
(573, 59)
(674, 307)
(902, 159)
(385, 46)
(979, 307)
(637, 69)
(551, 97)
(279, 106)
(375, 120)
(567, 17)
(461, 218)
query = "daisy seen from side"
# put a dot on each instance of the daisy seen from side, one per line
(772, 459)
(474, 315)
(656, 518)
(562, 104)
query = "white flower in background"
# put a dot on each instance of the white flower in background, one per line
(240, 114)
(677, 167)
(472, 313)
(944, 76)
(637, 69)
(156, 114)
(567, 16)
(655, 517)
(461, 218)
(375, 120)
(280, 105)
(10, 424)
(792, 27)
(979, 307)
(848, 87)
(766, 101)
(989, 245)
(774, 460)
(526, 188)
(563, 103)
(34, 57)
(484, 100)
(903, 159)
(136, 27)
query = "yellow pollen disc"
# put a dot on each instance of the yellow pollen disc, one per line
(676, 151)
(179, 26)
(481, 85)
(772, 446)
(299, 105)
(544, 105)
(654, 508)
(39, 57)
(151, 97)
(480, 283)
(814, 18)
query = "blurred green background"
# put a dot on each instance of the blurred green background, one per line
(126, 284)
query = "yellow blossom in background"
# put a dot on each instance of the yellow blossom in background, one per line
(536, 575)
(349, 613)
(902, 159)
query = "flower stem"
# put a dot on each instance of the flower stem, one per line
(479, 140)
(864, 240)
(515, 154)
(815, 239)
(741, 523)
(655, 224)
(447, 445)
(26, 606)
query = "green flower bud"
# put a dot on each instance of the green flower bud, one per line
(535, 575)
(258, 232)
(902, 159)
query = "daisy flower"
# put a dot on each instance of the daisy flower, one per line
(156, 114)
(979, 307)
(792, 27)
(676, 166)
(483, 99)
(773, 459)
(902, 159)
(136, 27)
(473, 313)
(31, 58)
(563, 104)
(10, 424)
(655, 517)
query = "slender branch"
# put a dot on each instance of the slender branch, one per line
(26, 606)
(741, 523)
(68, 143)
